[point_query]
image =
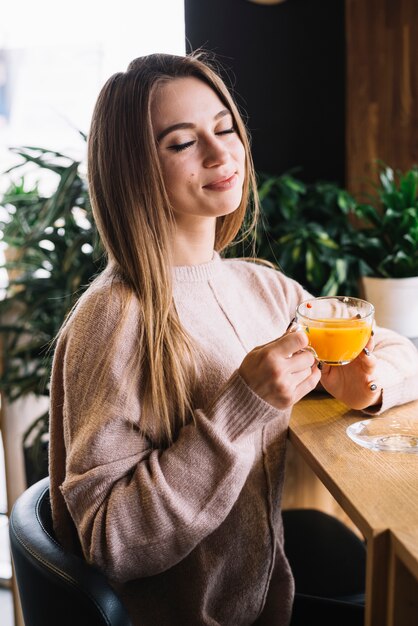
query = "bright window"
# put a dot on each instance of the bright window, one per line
(54, 59)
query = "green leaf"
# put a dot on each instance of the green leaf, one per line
(368, 213)
(34, 306)
(408, 186)
(345, 201)
(325, 240)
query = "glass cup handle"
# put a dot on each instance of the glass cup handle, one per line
(295, 327)
(312, 350)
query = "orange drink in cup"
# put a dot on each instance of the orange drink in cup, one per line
(338, 327)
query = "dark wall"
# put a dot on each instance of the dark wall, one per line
(288, 61)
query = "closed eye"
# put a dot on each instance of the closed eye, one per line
(178, 147)
(226, 132)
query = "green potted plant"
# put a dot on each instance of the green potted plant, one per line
(388, 247)
(51, 253)
(306, 230)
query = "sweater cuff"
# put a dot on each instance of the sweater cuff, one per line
(394, 395)
(395, 391)
(238, 410)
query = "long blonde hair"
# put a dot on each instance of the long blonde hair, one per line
(134, 219)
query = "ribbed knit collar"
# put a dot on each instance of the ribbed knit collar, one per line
(197, 273)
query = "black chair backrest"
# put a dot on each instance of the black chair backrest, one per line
(56, 587)
(327, 558)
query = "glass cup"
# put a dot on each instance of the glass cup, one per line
(338, 327)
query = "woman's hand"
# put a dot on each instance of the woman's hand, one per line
(354, 384)
(281, 372)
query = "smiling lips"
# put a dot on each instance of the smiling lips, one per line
(223, 184)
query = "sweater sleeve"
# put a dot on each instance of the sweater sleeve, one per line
(138, 509)
(396, 371)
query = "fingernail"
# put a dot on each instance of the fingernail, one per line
(366, 351)
(373, 387)
(290, 325)
(319, 365)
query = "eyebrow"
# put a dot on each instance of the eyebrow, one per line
(188, 125)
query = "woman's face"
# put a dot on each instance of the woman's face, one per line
(202, 157)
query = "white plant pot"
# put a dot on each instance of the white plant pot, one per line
(395, 301)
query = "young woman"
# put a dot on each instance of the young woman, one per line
(174, 375)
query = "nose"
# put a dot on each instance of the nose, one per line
(215, 152)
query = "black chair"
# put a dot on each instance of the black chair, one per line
(56, 587)
(328, 561)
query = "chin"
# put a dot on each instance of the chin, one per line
(230, 207)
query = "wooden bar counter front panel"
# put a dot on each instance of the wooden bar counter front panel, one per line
(403, 578)
(377, 490)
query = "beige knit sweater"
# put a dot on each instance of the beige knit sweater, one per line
(190, 535)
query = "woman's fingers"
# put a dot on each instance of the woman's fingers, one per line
(308, 384)
(356, 384)
(366, 358)
(289, 343)
(281, 372)
(368, 364)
